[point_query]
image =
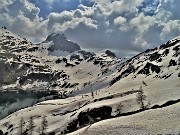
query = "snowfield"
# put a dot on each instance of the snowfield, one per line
(153, 122)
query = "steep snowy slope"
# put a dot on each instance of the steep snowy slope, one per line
(139, 94)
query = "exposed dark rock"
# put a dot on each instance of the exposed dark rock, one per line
(75, 57)
(148, 67)
(103, 112)
(73, 85)
(72, 126)
(58, 61)
(166, 76)
(176, 48)
(13, 43)
(9, 72)
(125, 73)
(169, 44)
(154, 56)
(54, 85)
(35, 60)
(168, 103)
(103, 98)
(85, 54)
(1, 132)
(166, 52)
(159, 60)
(64, 60)
(23, 42)
(28, 65)
(33, 49)
(91, 58)
(177, 51)
(89, 117)
(35, 76)
(155, 107)
(67, 86)
(69, 65)
(62, 86)
(61, 43)
(52, 133)
(77, 63)
(148, 50)
(172, 63)
(10, 126)
(96, 62)
(111, 54)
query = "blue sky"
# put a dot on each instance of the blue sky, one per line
(127, 27)
(58, 5)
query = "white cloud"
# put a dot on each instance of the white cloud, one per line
(21, 17)
(5, 2)
(70, 20)
(171, 28)
(121, 23)
(119, 20)
(142, 22)
(73, 23)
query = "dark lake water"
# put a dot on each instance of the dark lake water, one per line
(11, 101)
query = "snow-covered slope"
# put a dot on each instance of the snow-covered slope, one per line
(141, 94)
(151, 122)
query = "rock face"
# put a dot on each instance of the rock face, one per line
(61, 42)
(89, 117)
(111, 54)
(148, 67)
(152, 62)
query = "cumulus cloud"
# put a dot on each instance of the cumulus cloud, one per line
(119, 20)
(21, 17)
(60, 22)
(171, 28)
(124, 25)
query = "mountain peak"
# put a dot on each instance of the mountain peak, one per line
(61, 43)
(110, 53)
(54, 36)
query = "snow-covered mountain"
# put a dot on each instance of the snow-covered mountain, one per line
(100, 94)
(25, 65)
(30, 67)
(61, 43)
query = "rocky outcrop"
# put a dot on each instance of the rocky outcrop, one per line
(61, 42)
(154, 56)
(172, 63)
(125, 73)
(89, 117)
(148, 67)
(75, 57)
(170, 43)
(1, 132)
(86, 54)
(109, 53)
